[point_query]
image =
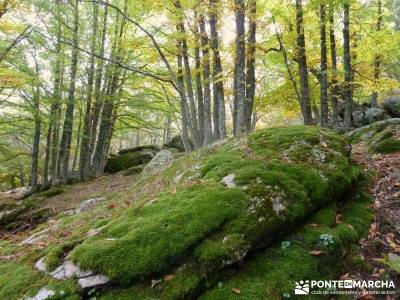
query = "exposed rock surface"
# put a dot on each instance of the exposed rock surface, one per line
(89, 204)
(159, 162)
(43, 294)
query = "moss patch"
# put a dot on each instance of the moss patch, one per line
(125, 161)
(273, 272)
(389, 145)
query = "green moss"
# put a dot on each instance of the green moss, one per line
(147, 238)
(134, 170)
(273, 272)
(55, 255)
(125, 161)
(184, 285)
(389, 145)
(17, 280)
(53, 192)
(130, 294)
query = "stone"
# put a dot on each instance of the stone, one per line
(229, 181)
(36, 238)
(18, 193)
(41, 264)
(159, 162)
(392, 105)
(89, 204)
(374, 114)
(69, 270)
(43, 294)
(358, 118)
(94, 280)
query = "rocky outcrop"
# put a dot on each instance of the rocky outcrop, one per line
(392, 105)
(159, 162)
(380, 137)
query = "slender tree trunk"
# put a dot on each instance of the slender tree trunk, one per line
(199, 84)
(206, 82)
(218, 84)
(334, 82)
(66, 139)
(377, 60)
(250, 65)
(188, 80)
(84, 153)
(36, 139)
(302, 61)
(324, 69)
(47, 156)
(55, 105)
(78, 138)
(240, 86)
(347, 67)
(98, 95)
(183, 103)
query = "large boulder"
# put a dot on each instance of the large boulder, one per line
(152, 148)
(159, 162)
(380, 137)
(243, 196)
(176, 143)
(392, 105)
(17, 193)
(374, 114)
(127, 160)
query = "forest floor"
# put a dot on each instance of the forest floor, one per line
(97, 187)
(380, 249)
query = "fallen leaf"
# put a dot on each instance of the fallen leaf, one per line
(314, 225)
(236, 291)
(168, 277)
(315, 252)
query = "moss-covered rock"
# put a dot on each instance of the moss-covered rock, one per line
(279, 176)
(380, 137)
(125, 161)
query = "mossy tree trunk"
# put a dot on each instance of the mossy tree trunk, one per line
(347, 67)
(324, 68)
(303, 69)
(377, 59)
(250, 65)
(240, 76)
(334, 81)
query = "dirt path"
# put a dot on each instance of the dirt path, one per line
(383, 243)
(76, 193)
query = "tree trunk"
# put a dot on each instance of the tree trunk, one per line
(240, 82)
(65, 149)
(377, 59)
(347, 67)
(334, 82)
(303, 69)
(250, 65)
(218, 84)
(324, 67)
(188, 80)
(55, 105)
(183, 103)
(199, 84)
(47, 156)
(84, 154)
(98, 95)
(36, 138)
(206, 82)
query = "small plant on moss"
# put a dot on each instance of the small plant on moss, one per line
(327, 239)
(285, 244)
